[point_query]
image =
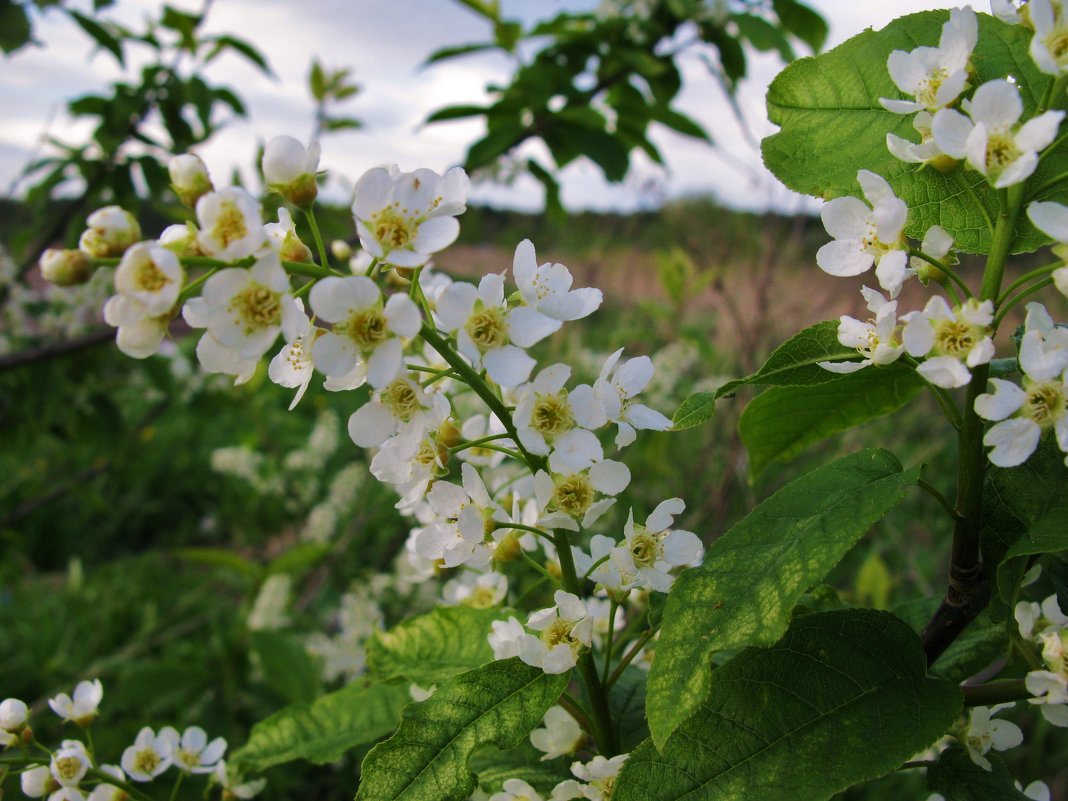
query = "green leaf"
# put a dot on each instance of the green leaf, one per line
(15, 28)
(433, 648)
(843, 698)
(832, 125)
(626, 702)
(1014, 500)
(289, 669)
(524, 762)
(457, 50)
(317, 81)
(324, 730)
(782, 422)
(983, 641)
(678, 121)
(103, 37)
(957, 778)
(763, 35)
(221, 558)
(456, 113)
(299, 557)
(245, 49)
(795, 362)
(695, 410)
(754, 574)
(802, 22)
(500, 139)
(1047, 534)
(426, 760)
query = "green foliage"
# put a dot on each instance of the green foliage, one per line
(1023, 515)
(524, 762)
(832, 125)
(782, 422)
(975, 649)
(435, 647)
(427, 758)
(287, 667)
(15, 27)
(753, 575)
(957, 778)
(843, 698)
(626, 700)
(602, 79)
(325, 729)
(796, 361)
(696, 409)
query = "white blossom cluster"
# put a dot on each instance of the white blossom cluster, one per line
(1045, 626)
(982, 131)
(72, 772)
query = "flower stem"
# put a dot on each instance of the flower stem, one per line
(600, 715)
(612, 607)
(938, 496)
(1025, 278)
(996, 692)
(956, 279)
(310, 214)
(474, 443)
(1015, 299)
(628, 657)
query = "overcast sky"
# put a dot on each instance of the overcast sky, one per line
(384, 42)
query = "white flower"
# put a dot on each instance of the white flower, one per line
(1006, 11)
(152, 276)
(111, 231)
(876, 340)
(565, 499)
(189, 178)
(293, 365)
(937, 243)
(604, 619)
(991, 140)
(1036, 790)
(561, 736)
(409, 464)
(566, 629)
(1052, 219)
(37, 782)
(290, 171)
(192, 753)
(246, 309)
(139, 335)
(403, 217)
(865, 235)
(1023, 414)
(231, 783)
(477, 591)
(363, 328)
(470, 514)
(65, 267)
(13, 714)
(268, 611)
(921, 152)
(283, 239)
(109, 792)
(547, 415)
(213, 356)
(617, 386)
(149, 756)
(649, 552)
(1051, 693)
(403, 407)
(548, 288)
(231, 224)
(82, 709)
(504, 637)
(600, 777)
(984, 733)
(1051, 30)
(70, 763)
(959, 338)
(516, 790)
(489, 333)
(607, 572)
(934, 76)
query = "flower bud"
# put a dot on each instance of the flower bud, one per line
(182, 239)
(13, 714)
(448, 434)
(189, 178)
(65, 267)
(341, 250)
(111, 231)
(289, 170)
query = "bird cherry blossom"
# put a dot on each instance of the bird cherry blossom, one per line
(877, 340)
(935, 76)
(230, 223)
(82, 708)
(289, 170)
(149, 756)
(650, 552)
(616, 387)
(111, 231)
(959, 338)
(547, 288)
(560, 736)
